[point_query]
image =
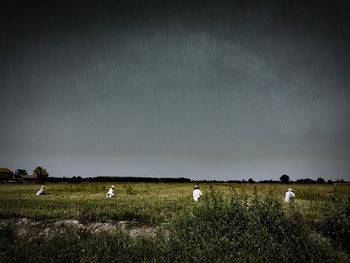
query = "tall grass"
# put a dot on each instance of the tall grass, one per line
(222, 227)
(336, 223)
(87, 202)
(259, 230)
(247, 223)
(159, 202)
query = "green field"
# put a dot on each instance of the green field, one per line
(232, 222)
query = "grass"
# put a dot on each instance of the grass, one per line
(157, 203)
(88, 202)
(233, 222)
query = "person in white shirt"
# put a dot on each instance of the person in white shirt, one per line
(110, 192)
(289, 196)
(41, 191)
(196, 193)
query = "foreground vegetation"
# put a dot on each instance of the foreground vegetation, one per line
(233, 222)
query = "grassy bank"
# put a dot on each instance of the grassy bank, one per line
(155, 203)
(233, 222)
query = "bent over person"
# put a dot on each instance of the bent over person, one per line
(196, 193)
(110, 192)
(41, 191)
(289, 195)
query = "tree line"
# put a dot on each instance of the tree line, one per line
(40, 175)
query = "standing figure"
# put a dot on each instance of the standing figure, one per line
(289, 196)
(41, 191)
(196, 193)
(110, 192)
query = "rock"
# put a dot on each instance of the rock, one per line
(68, 223)
(148, 232)
(25, 228)
(96, 228)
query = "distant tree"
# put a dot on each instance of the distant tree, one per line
(329, 181)
(320, 180)
(21, 172)
(284, 178)
(305, 181)
(40, 174)
(19, 175)
(250, 180)
(75, 179)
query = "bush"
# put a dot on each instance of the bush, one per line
(41, 174)
(336, 225)
(258, 231)
(240, 229)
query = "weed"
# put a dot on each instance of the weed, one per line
(231, 223)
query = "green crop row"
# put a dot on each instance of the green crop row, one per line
(231, 223)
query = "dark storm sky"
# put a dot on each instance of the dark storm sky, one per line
(205, 90)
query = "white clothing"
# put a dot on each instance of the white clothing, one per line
(196, 194)
(289, 196)
(41, 191)
(110, 192)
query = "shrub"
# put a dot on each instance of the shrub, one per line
(219, 228)
(258, 231)
(40, 173)
(336, 224)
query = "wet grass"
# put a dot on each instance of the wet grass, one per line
(232, 223)
(153, 203)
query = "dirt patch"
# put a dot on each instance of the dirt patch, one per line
(28, 229)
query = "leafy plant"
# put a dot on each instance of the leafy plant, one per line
(40, 174)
